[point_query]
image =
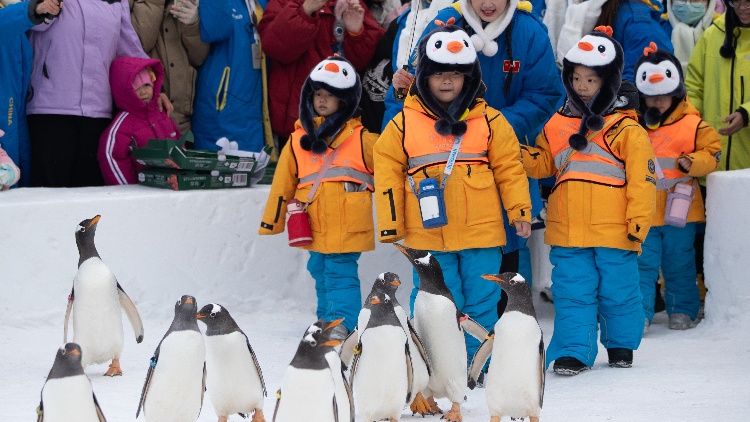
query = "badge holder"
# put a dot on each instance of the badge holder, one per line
(431, 195)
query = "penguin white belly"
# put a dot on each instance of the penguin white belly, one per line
(436, 324)
(306, 395)
(97, 319)
(177, 382)
(69, 399)
(232, 380)
(380, 383)
(512, 387)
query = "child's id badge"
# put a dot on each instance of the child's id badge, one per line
(432, 204)
(257, 56)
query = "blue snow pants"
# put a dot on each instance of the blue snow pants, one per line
(670, 248)
(474, 296)
(337, 286)
(591, 282)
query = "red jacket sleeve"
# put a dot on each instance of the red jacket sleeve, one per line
(114, 156)
(285, 30)
(359, 49)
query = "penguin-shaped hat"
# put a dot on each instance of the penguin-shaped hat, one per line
(337, 76)
(601, 53)
(658, 73)
(448, 48)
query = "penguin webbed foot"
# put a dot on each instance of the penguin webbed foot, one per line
(114, 369)
(258, 416)
(422, 406)
(453, 415)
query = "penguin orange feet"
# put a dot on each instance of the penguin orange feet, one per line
(533, 418)
(258, 416)
(495, 419)
(420, 405)
(222, 419)
(454, 415)
(434, 408)
(114, 369)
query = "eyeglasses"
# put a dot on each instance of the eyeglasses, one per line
(742, 4)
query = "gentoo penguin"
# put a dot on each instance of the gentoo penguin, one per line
(515, 379)
(382, 373)
(233, 376)
(313, 387)
(441, 326)
(96, 299)
(176, 379)
(67, 394)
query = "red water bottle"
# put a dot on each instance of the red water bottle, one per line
(298, 224)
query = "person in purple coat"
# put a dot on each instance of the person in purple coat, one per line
(69, 103)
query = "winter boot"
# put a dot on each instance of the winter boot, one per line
(681, 322)
(645, 326)
(620, 358)
(659, 304)
(567, 365)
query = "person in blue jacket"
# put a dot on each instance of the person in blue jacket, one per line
(16, 59)
(231, 94)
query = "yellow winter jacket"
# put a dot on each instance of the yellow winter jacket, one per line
(340, 221)
(471, 193)
(717, 87)
(585, 214)
(702, 150)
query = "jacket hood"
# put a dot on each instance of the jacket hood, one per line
(122, 73)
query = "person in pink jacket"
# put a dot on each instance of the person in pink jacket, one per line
(134, 82)
(9, 173)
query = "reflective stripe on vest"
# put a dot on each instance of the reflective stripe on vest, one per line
(672, 141)
(597, 164)
(349, 165)
(425, 147)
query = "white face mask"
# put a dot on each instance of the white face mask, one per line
(688, 12)
(9, 2)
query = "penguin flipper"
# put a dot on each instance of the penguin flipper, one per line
(409, 372)
(203, 389)
(347, 348)
(40, 411)
(147, 382)
(257, 365)
(420, 347)
(542, 372)
(357, 351)
(131, 312)
(278, 402)
(472, 327)
(99, 413)
(480, 358)
(67, 314)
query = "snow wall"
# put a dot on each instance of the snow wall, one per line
(162, 244)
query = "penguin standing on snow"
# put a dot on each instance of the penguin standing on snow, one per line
(441, 326)
(96, 300)
(382, 371)
(600, 52)
(234, 379)
(176, 379)
(67, 394)
(313, 387)
(515, 379)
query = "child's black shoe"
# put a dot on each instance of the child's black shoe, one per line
(620, 358)
(569, 366)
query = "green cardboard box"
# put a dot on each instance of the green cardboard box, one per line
(191, 179)
(169, 153)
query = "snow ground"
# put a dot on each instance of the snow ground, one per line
(203, 243)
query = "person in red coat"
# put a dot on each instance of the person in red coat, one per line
(298, 34)
(135, 84)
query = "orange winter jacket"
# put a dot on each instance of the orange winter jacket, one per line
(340, 221)
(684, 134)
(487, 170)
(592, 213)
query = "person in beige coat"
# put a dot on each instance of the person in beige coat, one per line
(170, 31)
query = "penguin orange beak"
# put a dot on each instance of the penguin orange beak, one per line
(94, 221)
(455, 46)
(189, 300)
(75, 352)
(332, 343)
(332, 67)
(333, 324)
(396, 282)
(585, 46)
(492, 277)
(375, 300)
(199, 316)
(656, 77)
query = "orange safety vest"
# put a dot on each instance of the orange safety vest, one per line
(598, 164)
(348, 166)
(670, 142)
(425, 147)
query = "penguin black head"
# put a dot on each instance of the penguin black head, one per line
(382, 311)
(518, 290)
(67, 362)
(428, 268)
(658, 73)
(319, 339)
(184, 314)
(217, 320)
(387, 283)
(85, 239)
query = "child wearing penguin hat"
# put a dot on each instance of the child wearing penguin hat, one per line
(600, 208)
(686, 148)
(326, 169)
(448, 146)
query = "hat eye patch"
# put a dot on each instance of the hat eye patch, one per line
(438, 43)
(602, 49)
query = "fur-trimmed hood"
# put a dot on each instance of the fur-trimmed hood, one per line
(599, 52)
(448, 49)
(337, 76)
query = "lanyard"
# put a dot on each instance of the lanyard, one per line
(253, 19)
(448, 166)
